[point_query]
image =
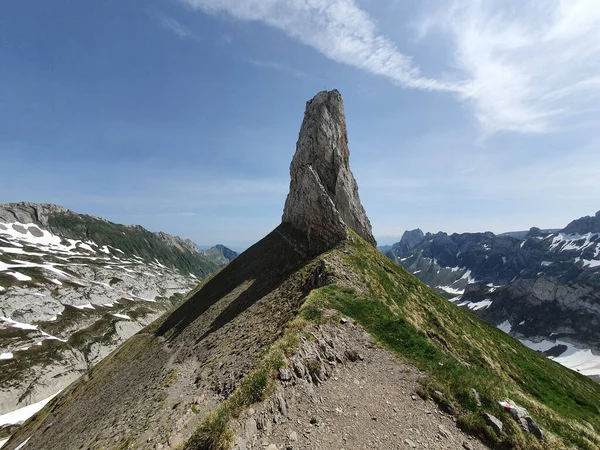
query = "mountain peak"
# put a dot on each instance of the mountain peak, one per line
(587, 224)
(323, 199)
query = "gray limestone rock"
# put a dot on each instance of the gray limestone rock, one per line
(323, 199)
(493, 422)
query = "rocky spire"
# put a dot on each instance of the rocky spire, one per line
(323, 198)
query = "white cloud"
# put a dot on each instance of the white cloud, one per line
(523, 66)
(338, 29)
(528, 66)
(173, 25)
(276, 66)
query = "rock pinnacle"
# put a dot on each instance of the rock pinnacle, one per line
(323, 199)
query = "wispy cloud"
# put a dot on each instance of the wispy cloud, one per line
(173, 25)
(276, 66)
(338, 29)
(528, 66)
(522, 66)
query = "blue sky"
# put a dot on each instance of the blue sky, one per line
(182, 115)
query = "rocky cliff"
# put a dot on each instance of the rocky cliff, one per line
(323, 199)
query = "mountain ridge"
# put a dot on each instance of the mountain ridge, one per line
(67, 301)
(542, 287)
(271, 319)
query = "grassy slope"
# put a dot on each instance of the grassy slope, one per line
(458, 352)
(133, 241)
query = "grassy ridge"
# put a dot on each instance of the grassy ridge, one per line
(456, 351)
(459, 352)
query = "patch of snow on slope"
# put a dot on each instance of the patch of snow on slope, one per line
(467, 276)
(505, 326)
(8, 355)
(3, 441)
(23, 444)
(591, 263)
(451, 290)
(22, 414)
(546, 263)
(121, 316)
(579, 359)
(2, 288)
(86, 306)
(564, 242)
(479, 305)
(15, 324)
(19, 276)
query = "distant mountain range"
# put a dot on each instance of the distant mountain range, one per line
(541, 286)
(73, 287)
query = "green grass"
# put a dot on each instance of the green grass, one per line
(458, 352)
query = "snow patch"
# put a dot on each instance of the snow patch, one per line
(15, 324)
(565, 242)
(23, 444)
(546, 263)
(479, 305)
(451, 290)
(581, 360)
(22, 414)
(19, 276)
(121, 316)
(591, 263)
(505, 326)
(8, 355)
(86, 306)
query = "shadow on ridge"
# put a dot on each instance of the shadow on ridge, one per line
(268, 263)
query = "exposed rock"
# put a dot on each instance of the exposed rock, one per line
(587, 224)
(476, 396)
(445, 432)
(285, 374)
(493, 422)
(410, 239)
(26, 212)
(323, 198)
(410, 443)
(521, 415)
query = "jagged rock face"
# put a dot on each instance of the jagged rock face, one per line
(26, 212)
(588, 224)
(323, 198)
(410, 239)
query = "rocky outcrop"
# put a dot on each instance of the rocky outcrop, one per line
(323, 199)
(587, 224)
(410, 240)
(26, 212)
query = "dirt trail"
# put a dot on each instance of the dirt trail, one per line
(369, 403)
